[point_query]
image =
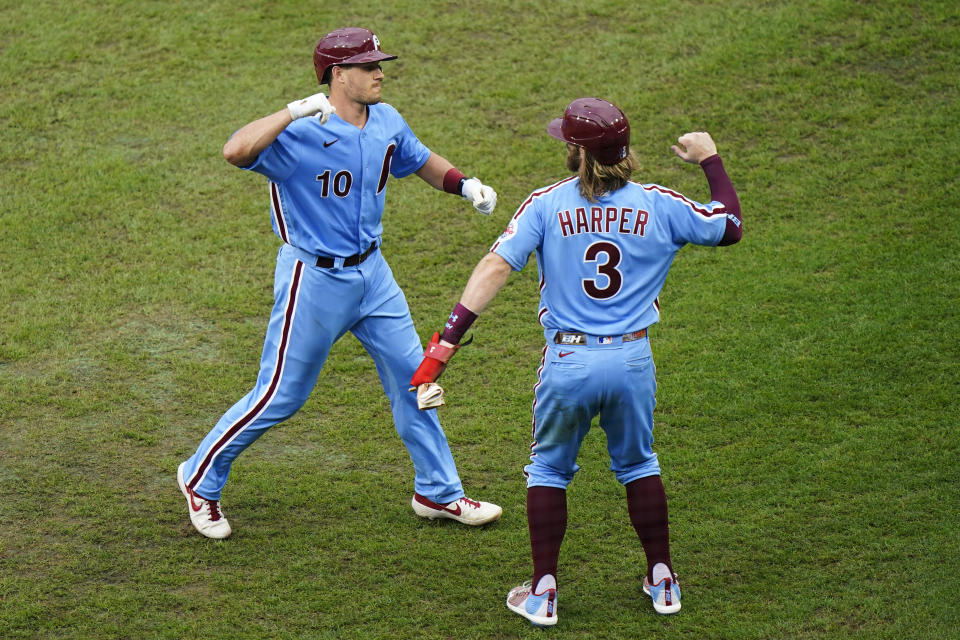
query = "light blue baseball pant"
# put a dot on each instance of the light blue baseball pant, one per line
(616, 380)
(313, 308)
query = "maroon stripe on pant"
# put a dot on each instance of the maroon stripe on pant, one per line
(244, 420)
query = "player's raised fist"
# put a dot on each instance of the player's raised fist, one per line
(696, 147)
(317, 104)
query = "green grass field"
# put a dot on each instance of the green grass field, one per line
(808, 378)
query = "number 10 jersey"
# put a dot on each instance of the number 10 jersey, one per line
(328, 182)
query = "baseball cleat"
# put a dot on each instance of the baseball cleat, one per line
(539, 609)
(465, 510)
(665, 594)
(204, 514)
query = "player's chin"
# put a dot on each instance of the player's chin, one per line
(373, 97)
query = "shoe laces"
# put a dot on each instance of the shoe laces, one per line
(214, 510)
(527, 586)
(525, 590)
(473, 503)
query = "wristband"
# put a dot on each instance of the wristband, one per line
(457, 324)
(453, 181)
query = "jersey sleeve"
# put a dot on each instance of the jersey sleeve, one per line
(692, 222)
(410, 154)
(523, 235)
(279, 160)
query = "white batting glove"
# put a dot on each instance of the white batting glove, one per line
(482, 197)
(317, 104)
(429, 396)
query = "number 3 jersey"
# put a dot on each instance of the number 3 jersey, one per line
(602, 264)
(327, 182)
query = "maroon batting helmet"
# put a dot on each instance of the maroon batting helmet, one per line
(596, 125)
(350, 45)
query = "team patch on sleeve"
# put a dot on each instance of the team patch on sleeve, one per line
(509, 231)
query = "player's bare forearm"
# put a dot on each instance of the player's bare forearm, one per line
(434, 169)
(440, 174)
(488, 277)
(243, 147)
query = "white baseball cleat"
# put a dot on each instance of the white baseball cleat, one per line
(204, 514)
(539, 608)
(465, 510)
(665, 594)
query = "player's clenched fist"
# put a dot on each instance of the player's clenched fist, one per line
(482, 197)
(317, 104)
(698, 147)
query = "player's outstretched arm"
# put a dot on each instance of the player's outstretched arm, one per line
(488, 278)
(440, 174)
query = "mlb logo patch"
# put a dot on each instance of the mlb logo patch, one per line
(605, 339)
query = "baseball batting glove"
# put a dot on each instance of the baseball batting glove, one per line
(435, 360)
(317, 104)
(482, 197)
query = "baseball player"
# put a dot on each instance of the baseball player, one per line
(604, 245)
(327, 161)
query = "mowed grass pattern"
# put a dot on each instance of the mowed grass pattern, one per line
(807, 376)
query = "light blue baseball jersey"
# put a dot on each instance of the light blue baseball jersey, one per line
(602, 265)
(321, 176)
(327, 185)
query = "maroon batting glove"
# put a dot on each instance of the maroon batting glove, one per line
(435, 360)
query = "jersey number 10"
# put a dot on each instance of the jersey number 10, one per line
(343, 179)
(342, 182)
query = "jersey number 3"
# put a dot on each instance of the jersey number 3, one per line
(607, 268)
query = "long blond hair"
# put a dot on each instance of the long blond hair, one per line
(597, 179)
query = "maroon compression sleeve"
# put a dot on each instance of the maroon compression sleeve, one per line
(721, 190)
(457, 324)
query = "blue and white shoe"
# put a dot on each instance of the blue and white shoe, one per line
(540, 609)
(665, 594)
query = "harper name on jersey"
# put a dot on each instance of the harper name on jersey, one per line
(624, 220)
